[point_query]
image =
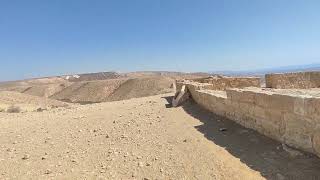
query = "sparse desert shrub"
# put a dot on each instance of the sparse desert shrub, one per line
(2, 110)
(13, 109)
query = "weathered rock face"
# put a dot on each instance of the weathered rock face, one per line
(289, 116)
(300, 80)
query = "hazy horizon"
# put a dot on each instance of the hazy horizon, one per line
(294, 68)
(47, 38)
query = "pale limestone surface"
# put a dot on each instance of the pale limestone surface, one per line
(290, 116)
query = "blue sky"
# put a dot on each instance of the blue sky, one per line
(52, 37)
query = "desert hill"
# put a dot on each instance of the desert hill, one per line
(141, 87)
(25, 102)
(88, 91)
(99, 87)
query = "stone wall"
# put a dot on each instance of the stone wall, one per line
(223, 82)
(299, 80)
(291, 118)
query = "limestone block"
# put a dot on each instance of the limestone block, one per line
(207, 100)
(181, 97)
(248, 121)
(262, 99)
(212, 103)
(241, 96)
(234, 94)
(281, 103)
(299, 106)
(247, 97)
(312, 108)
(179, 85)
(270, 82)
(274, 123)
(316, 140)
(259, 112)
(246, 108)
(192, 89)
(230, 109)
(298, 131)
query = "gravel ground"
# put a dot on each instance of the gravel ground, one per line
(140, 138)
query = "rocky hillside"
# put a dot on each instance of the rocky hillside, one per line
(141, 87)
(99, 87)
(88, 91)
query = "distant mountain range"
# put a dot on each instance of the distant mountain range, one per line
(260, 72)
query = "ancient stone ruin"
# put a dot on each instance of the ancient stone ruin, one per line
(287, 110)
(302, 80)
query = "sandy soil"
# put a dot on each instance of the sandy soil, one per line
(140, 139)
(27, 102)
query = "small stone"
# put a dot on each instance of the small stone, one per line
(25, 157)
(140, 164)
(48, 171)
(223, 129)
(10, 149)
(139, 157)
(44, 157)
(103, 171)
(123, 136)
(185, 140)
(41, 109)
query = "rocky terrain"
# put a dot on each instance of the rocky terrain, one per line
(140, 139)
(26, 103)
(126, 128)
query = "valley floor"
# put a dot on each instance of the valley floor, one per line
(141, 139)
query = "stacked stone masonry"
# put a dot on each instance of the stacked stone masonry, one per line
(299, 80)
(223, 83)
(289, 116)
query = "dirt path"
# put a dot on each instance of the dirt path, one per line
(139, 139)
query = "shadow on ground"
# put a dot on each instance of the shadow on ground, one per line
(255, 150)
